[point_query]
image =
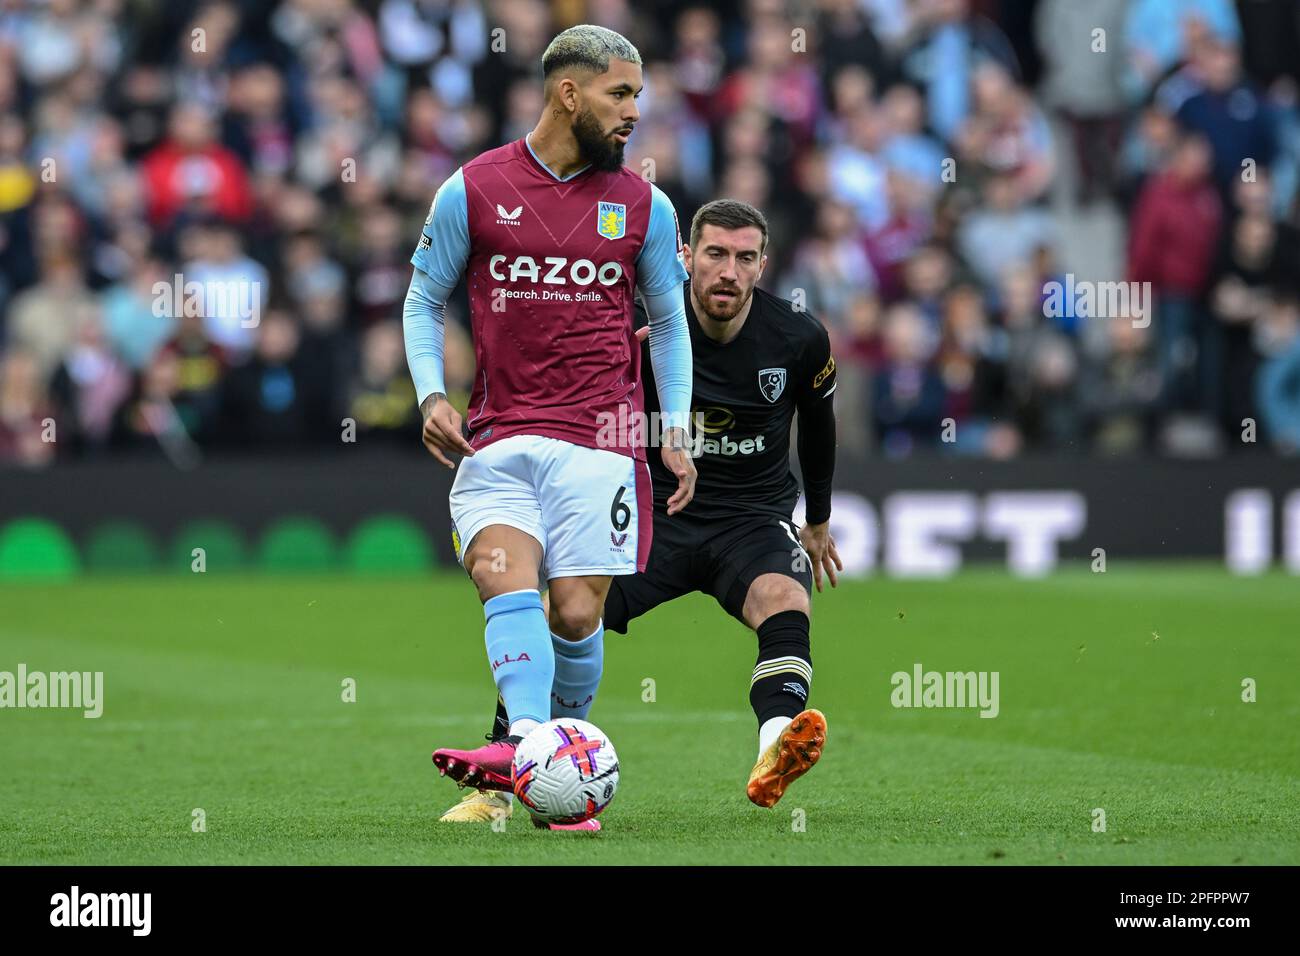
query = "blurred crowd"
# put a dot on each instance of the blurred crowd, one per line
(928, 168)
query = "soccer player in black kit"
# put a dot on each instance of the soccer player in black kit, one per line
(758, 362)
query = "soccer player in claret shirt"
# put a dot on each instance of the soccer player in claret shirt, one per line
(553, 235)
(758, 363)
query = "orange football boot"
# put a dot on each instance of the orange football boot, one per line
(791, 756)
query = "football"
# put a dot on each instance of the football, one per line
(565, 771)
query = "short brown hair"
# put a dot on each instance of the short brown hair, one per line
(728, 214)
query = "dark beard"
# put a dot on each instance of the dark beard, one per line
(603, 152)
(702, 295)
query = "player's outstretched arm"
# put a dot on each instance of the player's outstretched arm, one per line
(817, 460)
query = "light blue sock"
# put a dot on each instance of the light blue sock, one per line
(519, 650)
(578, 666)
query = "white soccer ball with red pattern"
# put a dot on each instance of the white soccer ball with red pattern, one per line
(565, 771)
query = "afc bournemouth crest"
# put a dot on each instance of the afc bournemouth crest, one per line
(771, 382)
(611, 219)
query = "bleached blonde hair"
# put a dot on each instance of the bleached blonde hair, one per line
(589, 47)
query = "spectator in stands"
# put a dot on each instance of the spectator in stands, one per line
(1005, 230)
(1174, 234)
(907, 401)
(263, 402)
(971, 365)
(43, 318)
(908, 150)
(1079, 43)
(380, 398)
(135, 326)
(230, 287)
(150, 421)
(1158, 35)
(1119, 390)
(200, 367)
(904, 230)
(1257, 261)
(927, 276)
(831, 266)
(26, 411)
(1007, 134)
(90, 385)
(950, 43)
(192, 173)
(1232, 115)
(1278, 382)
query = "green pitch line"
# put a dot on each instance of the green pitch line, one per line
(1119, 692)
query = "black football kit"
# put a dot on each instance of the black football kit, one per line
(745, 396)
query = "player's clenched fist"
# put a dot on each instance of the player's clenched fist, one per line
(442, 429)
(677, 459)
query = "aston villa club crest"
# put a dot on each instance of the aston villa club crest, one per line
(771, 382)
(611, 219)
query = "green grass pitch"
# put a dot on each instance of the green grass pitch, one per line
(1120, 691)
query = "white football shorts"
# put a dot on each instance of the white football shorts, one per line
(590, 508)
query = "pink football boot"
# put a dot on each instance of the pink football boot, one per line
(487, 768)
(586, 826)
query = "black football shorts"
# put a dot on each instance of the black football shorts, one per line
(720, 556)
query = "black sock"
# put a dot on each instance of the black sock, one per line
(500, 723)
(783, 675)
